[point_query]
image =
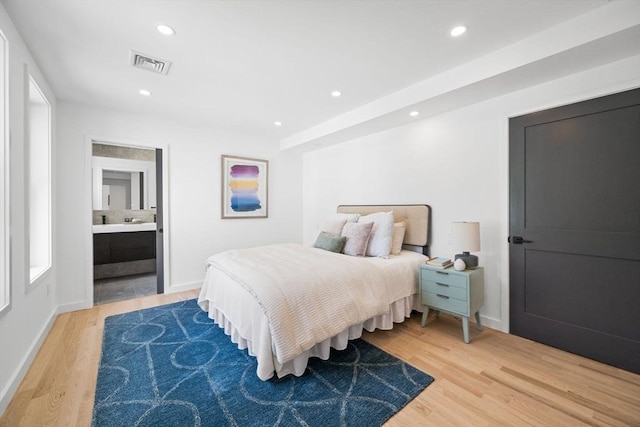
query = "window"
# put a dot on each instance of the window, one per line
(39, 172)
(5, 278)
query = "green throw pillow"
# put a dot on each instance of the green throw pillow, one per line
(330, 242)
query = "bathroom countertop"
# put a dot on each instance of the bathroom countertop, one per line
(123, 228)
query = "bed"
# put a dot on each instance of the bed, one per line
(286, 303)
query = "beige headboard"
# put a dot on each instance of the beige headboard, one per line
(416, 217)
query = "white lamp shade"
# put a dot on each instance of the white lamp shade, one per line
(466, 236)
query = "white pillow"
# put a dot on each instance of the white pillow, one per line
(398, 237)
(381, 233)
(333, 226)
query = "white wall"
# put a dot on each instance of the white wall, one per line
(26, 322)
(456, 162)
(195, 229)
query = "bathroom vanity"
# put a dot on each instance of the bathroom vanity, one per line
(123, 249)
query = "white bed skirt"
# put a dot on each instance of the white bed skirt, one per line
(398, 312)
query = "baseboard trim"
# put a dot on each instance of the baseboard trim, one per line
(11, 388)
(81, 305)
(184, 287)
(491, 322)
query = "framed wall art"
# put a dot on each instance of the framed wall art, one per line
(245, 187)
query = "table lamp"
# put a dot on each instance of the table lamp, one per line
(466, 237)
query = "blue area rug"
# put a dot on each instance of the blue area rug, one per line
(172, 366)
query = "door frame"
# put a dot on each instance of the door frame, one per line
(88, 194)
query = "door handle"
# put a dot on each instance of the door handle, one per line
(518, 240)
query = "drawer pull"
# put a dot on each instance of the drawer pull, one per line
(442, 296)
(442, 272)
(442, 284)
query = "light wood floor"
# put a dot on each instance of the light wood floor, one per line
(497, 379)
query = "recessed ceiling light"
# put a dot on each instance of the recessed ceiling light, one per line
(414, 113)
(165, 29)
(277, 123)
(144, 92)
(336, 93)
(458, 31)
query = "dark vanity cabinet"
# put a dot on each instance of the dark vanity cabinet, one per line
(109, 248)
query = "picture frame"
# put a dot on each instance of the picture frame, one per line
(245, 187)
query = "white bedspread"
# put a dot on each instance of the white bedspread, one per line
(307, 294)
(234, 306)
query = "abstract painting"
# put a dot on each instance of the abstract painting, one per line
(244, 187)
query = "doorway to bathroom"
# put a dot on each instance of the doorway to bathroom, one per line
(127, 221)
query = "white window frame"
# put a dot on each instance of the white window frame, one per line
(43, 232)
(5, 213)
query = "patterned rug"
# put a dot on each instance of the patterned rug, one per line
(172, 366)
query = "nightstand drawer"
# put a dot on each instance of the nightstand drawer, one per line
(445, 289)
(442, 302)
(444, 276)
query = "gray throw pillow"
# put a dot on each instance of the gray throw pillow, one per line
(329, 242)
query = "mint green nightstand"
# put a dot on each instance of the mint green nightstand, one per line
(457, 292)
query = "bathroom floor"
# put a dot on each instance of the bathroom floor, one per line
(123, 288)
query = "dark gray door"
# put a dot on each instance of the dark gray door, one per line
(575, 228)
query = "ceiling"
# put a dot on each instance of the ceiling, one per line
(240, 65)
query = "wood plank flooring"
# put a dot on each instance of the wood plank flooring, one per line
(497, 379)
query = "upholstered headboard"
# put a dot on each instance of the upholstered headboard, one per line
(417, 220)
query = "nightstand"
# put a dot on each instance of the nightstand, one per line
(457, 292)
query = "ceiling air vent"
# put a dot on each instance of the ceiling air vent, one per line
(149, 63)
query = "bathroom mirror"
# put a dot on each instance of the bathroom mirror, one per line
(123, 184)
(122, 190)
